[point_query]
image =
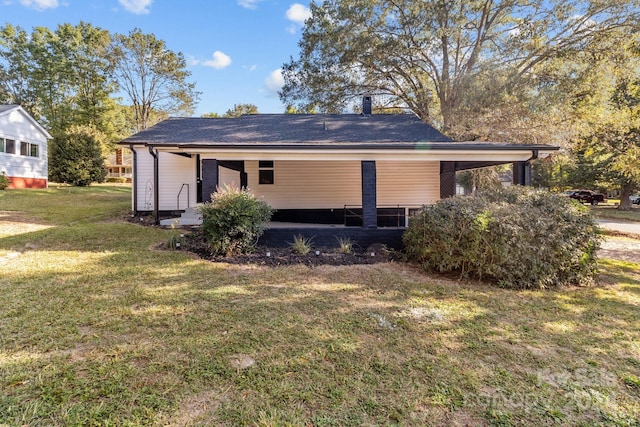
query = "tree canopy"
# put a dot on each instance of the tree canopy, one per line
(152, 76)
(450, 62)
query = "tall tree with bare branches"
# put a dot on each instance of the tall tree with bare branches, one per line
(154, 78)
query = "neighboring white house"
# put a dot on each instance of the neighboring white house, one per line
(23, 148)
(353, 169)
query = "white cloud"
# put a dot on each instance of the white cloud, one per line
(40, 4)
(139, 7)
(298, 13)
(248, 4)
(220, 60)
(192, 61)
(250, 68)
(274, 82)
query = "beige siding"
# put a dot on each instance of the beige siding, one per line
(407, 183)
(333, 184)
(309, 184)
(228, 177)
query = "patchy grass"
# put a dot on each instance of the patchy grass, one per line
(98, 328)
(610, 211)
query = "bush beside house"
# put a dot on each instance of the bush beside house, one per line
(4, 180)
(516, 237)
(233, 221)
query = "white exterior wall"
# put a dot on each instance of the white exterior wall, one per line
(173, 170)
(17, 125)
(333, 184)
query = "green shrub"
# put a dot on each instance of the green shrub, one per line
(516, 237)
(75, 157)
(233, 221)
(117, 179)
(4, 181)
(301, 245)
(345, 245)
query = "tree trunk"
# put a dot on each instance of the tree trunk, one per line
(625, 192)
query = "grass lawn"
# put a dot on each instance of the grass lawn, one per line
(610, 211)
(99, 328)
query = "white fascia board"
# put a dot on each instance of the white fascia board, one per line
(349, 154)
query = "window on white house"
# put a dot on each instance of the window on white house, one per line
(10, 146)
(266, 174)
(27, 149)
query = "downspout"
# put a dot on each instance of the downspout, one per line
(134, 179)
(156, 193)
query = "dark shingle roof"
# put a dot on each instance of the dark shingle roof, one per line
(290, 129)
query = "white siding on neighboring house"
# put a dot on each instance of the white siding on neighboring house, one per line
(333, 184)
(18, 126)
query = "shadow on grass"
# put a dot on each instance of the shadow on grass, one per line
(103, 329)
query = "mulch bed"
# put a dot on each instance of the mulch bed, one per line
(273, 257)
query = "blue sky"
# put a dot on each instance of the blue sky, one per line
(234, 48)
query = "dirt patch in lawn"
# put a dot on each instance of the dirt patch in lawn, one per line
(13, 223)
(620, 248)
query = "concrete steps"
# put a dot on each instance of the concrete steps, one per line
(190, 217)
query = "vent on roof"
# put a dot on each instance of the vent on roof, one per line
(366, 105)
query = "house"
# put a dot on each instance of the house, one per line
(118, 166)
(23, 148)
(365, 170)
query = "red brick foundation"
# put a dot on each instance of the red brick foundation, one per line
(18, 182)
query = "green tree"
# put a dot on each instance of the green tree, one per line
(78, 156)
(15, 70)
(153, 77)
(240, 109)
(607, 110)
(448, 61)
(61, 77)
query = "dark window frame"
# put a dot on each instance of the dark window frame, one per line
(266, 172)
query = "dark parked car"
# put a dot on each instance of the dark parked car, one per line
(587, 196)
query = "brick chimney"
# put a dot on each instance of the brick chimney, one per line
(118, 156)
(366, 105)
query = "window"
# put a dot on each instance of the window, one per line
(7, 146)
(27, 149)
(265, 172)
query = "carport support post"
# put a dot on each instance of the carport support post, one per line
(447, 179)
(522, 173)
(369, 201)
(209, 178)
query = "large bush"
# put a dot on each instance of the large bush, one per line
(75, 157)
(233, 221)
(516, 237)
